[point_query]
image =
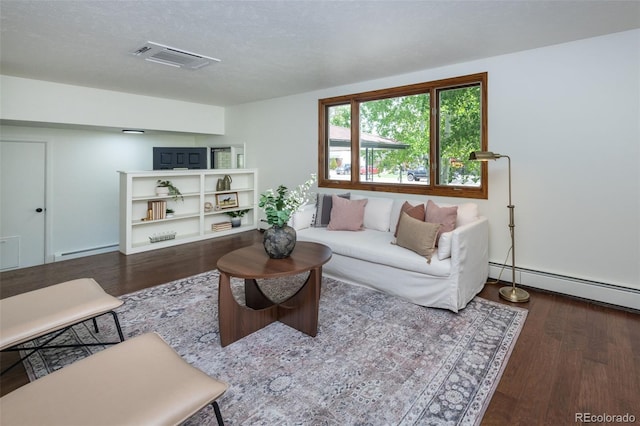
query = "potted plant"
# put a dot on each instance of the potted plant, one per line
(280, 240)
(170, 212)
(165, 187)
(236, 217)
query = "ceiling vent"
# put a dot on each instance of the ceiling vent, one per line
(166, 55)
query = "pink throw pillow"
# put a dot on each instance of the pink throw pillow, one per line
(445, 216)
(347, 215)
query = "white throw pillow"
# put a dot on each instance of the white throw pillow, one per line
(467, 213)
(444, 245)
(377, 212)
(303, 218)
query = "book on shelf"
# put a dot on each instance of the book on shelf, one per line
(221, 226)
(156, 210)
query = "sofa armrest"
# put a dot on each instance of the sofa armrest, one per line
(470, 258)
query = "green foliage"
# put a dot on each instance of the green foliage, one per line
(405, 119)
(460, 129)
(280, 204)
(237, 213)
(173, 191)
(341, 115)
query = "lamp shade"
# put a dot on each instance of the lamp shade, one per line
(484, 156)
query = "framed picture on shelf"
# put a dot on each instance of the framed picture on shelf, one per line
(227, 200)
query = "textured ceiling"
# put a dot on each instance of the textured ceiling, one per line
(276, 48)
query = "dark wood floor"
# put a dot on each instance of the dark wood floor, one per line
(571, 357)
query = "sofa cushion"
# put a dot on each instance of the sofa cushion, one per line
(377, 213)
(347, 215)
(323, 208)
(303, 218)
(416, 212)
(467, 213)
(418, 236)
(375, 246)
(445, 216)
(444, 245)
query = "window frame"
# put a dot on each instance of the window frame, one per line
(433, 188)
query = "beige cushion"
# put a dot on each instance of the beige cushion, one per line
(418, 236)
(141, 381)
(39, 312)
(416, 212)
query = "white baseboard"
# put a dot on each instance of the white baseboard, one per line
(84, 252)
(585, 289)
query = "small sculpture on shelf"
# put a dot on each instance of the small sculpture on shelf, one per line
(224, 184)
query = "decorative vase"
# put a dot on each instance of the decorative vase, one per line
(279, 242)
(227, 182)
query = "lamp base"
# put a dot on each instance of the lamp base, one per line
(514, 294)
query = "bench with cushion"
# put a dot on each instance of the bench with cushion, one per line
(142, 381)
(51, 311)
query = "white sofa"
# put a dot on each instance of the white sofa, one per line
(456, 273)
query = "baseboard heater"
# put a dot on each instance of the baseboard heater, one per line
(582, 288)
(84, 252)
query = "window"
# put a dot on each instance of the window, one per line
(411, 139)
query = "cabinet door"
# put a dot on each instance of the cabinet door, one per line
(179, 158)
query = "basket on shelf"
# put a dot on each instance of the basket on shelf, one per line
(163, 236)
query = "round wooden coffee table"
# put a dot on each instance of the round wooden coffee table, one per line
(300, 311)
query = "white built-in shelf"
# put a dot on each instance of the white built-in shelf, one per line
(190, 221)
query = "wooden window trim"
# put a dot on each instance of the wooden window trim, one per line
(433, 88)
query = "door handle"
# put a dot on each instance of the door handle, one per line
(39, 210)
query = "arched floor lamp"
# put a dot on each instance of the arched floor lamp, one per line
(512, 293)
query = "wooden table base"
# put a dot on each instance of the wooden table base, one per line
(300, 311)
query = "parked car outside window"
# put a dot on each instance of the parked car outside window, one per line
(417, 173)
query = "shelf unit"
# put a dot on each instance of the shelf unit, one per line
(191, 220)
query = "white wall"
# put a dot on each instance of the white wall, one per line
(82, 180)
(38, 101)
(568, 115)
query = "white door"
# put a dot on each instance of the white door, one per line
(22, 204)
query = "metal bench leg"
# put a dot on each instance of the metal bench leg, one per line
(46, 345)
(216, 409)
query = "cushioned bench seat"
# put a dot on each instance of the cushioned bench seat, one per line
(55, 308)
(142, 381)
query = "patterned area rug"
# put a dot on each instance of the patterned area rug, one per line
(376, 360)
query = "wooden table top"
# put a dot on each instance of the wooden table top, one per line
(253, 262)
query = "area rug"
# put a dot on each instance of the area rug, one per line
(377, 360)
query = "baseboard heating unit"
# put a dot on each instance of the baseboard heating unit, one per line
(84, 252)
(582, 288)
